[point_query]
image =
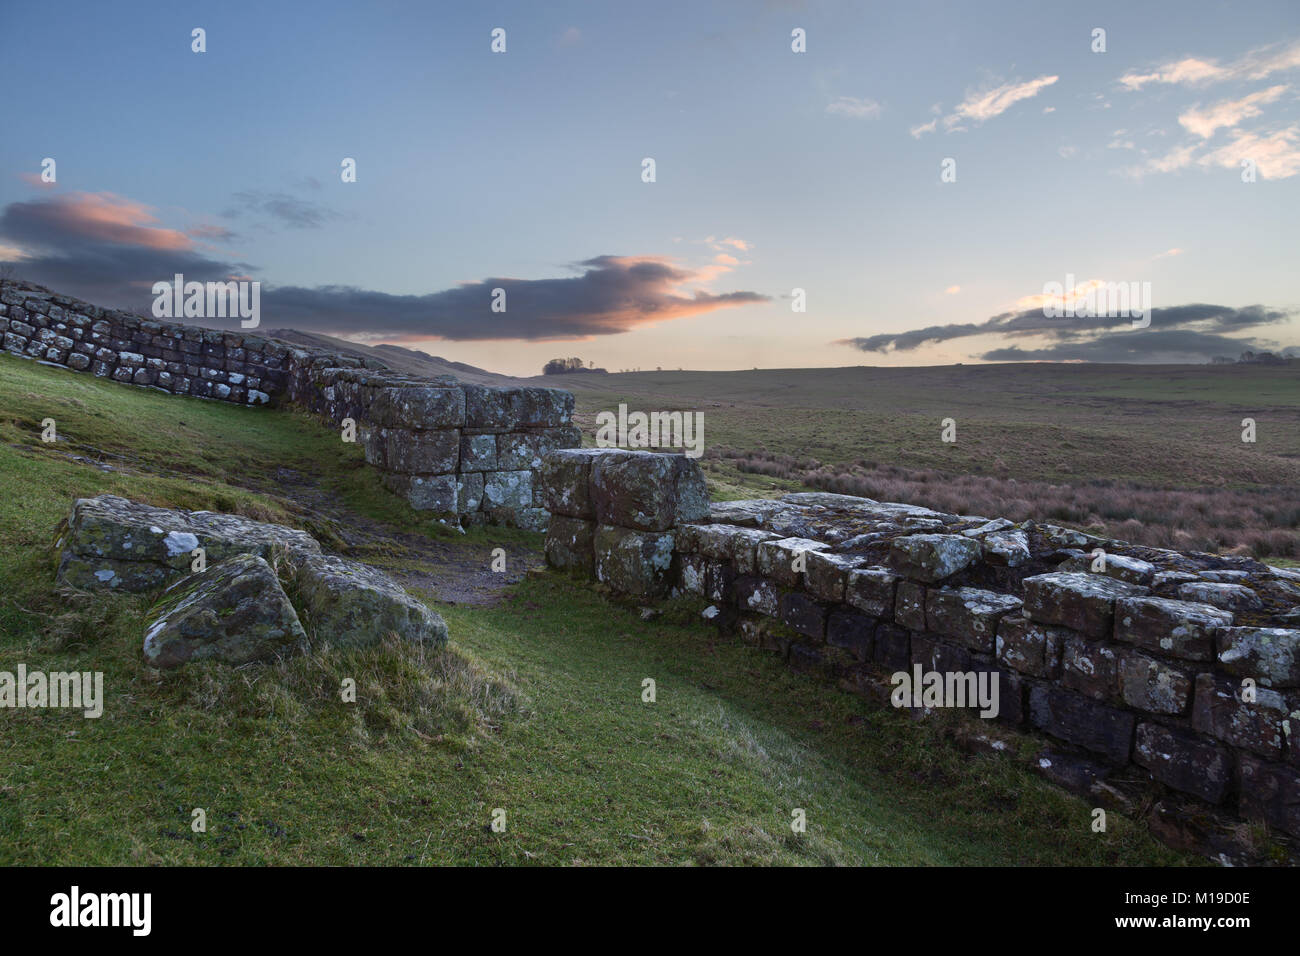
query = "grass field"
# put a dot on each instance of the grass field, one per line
(535, 708)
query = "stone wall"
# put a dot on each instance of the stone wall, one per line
(460, 452)
(1184, 667)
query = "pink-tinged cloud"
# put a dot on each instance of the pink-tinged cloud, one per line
(35, 180)
(93, 217)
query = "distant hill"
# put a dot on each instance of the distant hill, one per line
(409, 361)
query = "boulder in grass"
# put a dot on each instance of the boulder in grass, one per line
(350, 604)
(235, 612)
(110, 542)
(647, 491)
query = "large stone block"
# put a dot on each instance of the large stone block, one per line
(646, 491)
(725, 542)
(1117, 566)
(565, 478)
(827, 574)
(909, 605)
(1029, 647)
(478, 453)
(1089, 668)
(1218, 710)
(517, 451)
(1272, 793)
(1082, 602)
(932, 557)
(871, 591)
(1175, 628)
(852, 631)
(1080, 720)
(436, 493)
(429, 407)
(783, 559)
(235, 611)
(634, 563)
(350, 604)
(1229, 597)
(752, 593)
(893, 647)
(1154, 685)
(571, 543)
(1271, 655)
(803, 613)
(510, 490)
(509, 408)
(968, 615)
(469, 492)
(417, 452)
(110, 542)
(1184, 761)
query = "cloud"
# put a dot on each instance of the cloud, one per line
(1145, 346)
(1079, 337)
(982, 105)
(856, 108)
(1276, 155)
(289, 211)
(952, 290)
(979, 107)
(1169, 253)
(34, 179)
(1194, 71)
(111, 251)
(1204, 122)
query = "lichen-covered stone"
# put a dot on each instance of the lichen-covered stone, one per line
(1271, 655)
(469, 492)
(429, 407)
(909, 605)
(1272, 793)
(634, 563)
(1082, 602)
(1218, 710)
(571, 543)
(1153, 685)
(1008, 548)
(234, 611)
(932, 557)
(1029, 647)
(511, 490)
(1181, 629)
(724, 542)
(1090, 669)
(1118, 566)
(413, 452)
(803, 613)
(110, 542)
(871, 591)
(350, 604)
(518, 451)
(827, 574)
(752, 593)
(565, 478)
(782, 559)
(438, 494)
(1184, 761)
(968, 615)
(478, 453)
(1230, 597)
(646, 491)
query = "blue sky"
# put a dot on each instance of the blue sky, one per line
(775, 170)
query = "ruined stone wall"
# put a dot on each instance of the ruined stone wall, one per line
(460, 452)
(1184, 666)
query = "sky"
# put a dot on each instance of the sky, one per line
(774, 171)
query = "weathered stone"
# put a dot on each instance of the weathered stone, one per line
(417, 452)
(1153, 685)
(646, 491)
(1271, 655)
(936, 655)
(634, 563)
(1079, 720)
(692, 573)
(571, 543)
(1117, 566)
(932, 557)
(235, 611)
(1184, 761)
(871, 590)
(1008, 548)
(804, 614)
(1230, 597)
(968, 615)
(511, 490)
(1218, 710)
(478, 453)
(852, 631)
(517, 451)
(826, 574)
(782, 559)
(725, 542)
(1176, 628)
(1272, 793)
(909, 605)
(1029, 647)
(893, 647)
(110, 542)
(429, 407)
(565, 478)
(752, 593)
(1082, 602)
(469, 492)
(1090, 669)
(350, 604)
(435, 493)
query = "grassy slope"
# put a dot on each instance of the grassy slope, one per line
(536, 707)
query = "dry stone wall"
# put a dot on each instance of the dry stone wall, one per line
(1184, 666)
(460, 452)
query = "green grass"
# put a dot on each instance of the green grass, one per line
(535, 707)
